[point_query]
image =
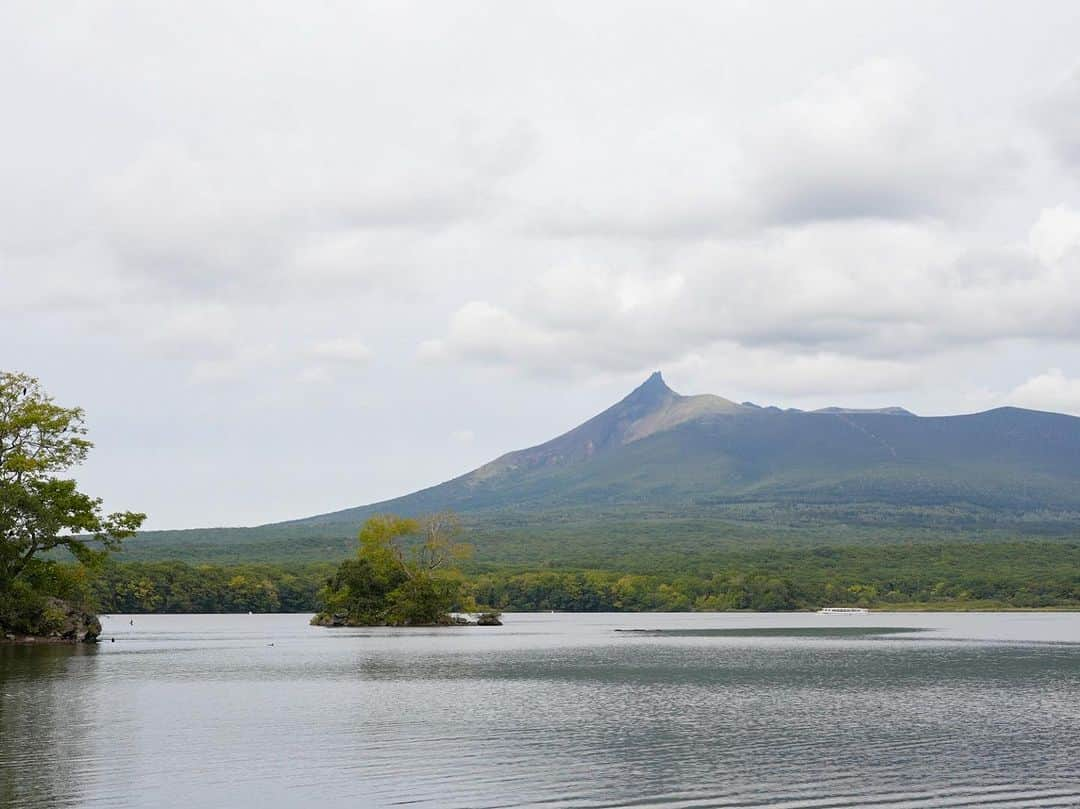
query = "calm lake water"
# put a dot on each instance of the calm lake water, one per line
(806, 711)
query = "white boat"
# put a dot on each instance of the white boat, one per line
(843, 611)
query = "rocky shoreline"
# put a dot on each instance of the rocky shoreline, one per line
(341, 619)
(68, 624)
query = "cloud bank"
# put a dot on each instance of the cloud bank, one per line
(395, 223)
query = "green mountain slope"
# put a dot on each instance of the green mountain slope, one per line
(699, 472)
(656, 447)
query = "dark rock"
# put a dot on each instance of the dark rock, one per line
(488, 619)
(337, 619)
(72, 624)
(58, 622)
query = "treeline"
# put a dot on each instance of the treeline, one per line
(600, 591)
(1039, 574)
(177, 587)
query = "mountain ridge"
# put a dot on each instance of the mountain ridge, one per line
(660, 476)
(656, 446)
(649, 408)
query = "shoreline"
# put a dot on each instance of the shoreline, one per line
(39, 640)
(897, 608)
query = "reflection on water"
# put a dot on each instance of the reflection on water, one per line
(44, 714)
(550, 710)
(781, 632)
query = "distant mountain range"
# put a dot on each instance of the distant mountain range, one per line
(705, 470)
(657, 447)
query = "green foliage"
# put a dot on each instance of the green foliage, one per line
(27, 605)
(633, 538)
(943, 576)
(422, 600)
(41, 511)
(402, 576)
(960, 575)
(176, 587)
(362, 591)
(378, 542)
(599, 591)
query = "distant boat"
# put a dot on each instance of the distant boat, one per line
(842, 611)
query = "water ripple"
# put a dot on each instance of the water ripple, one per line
(556, 712)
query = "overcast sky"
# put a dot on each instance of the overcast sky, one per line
(293, 257)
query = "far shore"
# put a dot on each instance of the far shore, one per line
(898, 608)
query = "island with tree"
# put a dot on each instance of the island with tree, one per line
(42, 512)
(404, 574)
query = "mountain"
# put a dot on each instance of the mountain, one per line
(659, 448)
(703, 471)
(651, 409)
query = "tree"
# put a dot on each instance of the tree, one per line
(384, 542)
(380, 543)
(40, 508)
(442, 546)
(403, 574)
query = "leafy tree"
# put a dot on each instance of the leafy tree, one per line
(41, 509)
(361, 591)
(442, 546)
(381, 542)
(402, 575)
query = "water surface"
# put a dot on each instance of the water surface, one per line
(719, 710)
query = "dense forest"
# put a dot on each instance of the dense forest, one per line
(943, 576)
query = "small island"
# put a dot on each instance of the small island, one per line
(404, 574)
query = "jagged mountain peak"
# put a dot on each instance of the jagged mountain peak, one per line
(653, 386)
(650, 395)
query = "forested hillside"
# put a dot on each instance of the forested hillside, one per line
(955, 576)
(663, 473)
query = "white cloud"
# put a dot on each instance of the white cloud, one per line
(193, 330)
(315, 375)
(871, 292)
(1056, 234)
(1052, 390)
(779, 375)
(1058, 113)
(464, 437)
(870, 143)
(250, 214)
(212, 371)
(333, 358)
(526, 192)
(344, 350)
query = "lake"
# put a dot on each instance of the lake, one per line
(705, 710)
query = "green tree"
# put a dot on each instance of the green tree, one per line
(359, 592)
(403, 574)
(442, 547)
(40, 508)
(381, 543)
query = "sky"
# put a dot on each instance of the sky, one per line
(295, 257)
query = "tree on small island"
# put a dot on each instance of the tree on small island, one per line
(404, 574)
(42, 511)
